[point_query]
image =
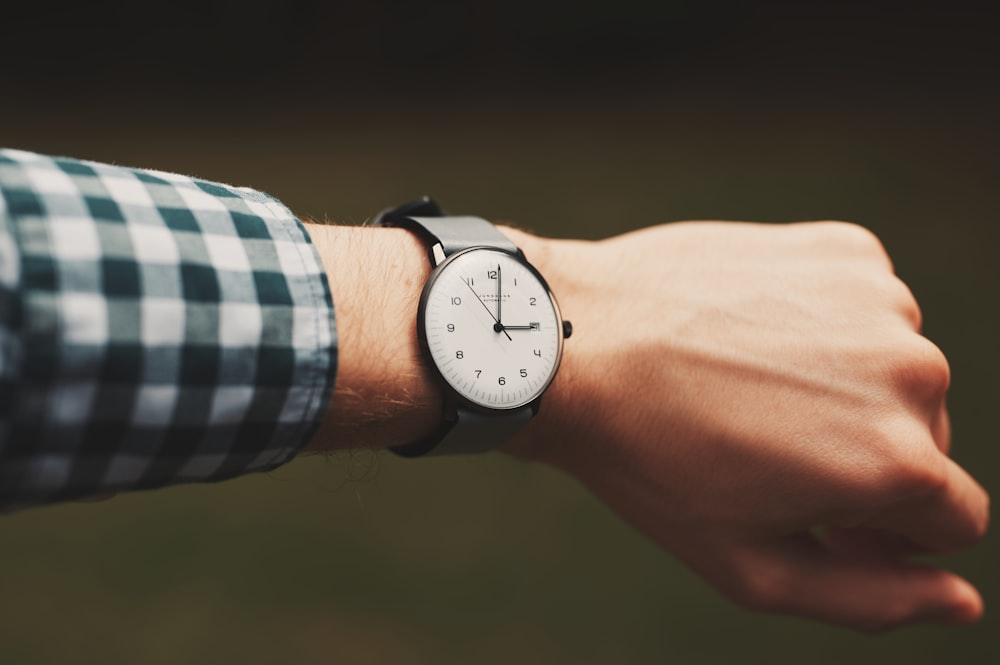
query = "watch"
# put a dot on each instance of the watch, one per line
(487, 324)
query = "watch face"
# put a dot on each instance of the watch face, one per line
(492, 328)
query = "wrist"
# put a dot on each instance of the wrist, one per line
(548, 437)
(385, 394)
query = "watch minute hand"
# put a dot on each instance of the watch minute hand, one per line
(499, 291)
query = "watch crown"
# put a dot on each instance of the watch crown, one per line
(567, 329)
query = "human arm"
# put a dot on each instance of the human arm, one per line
(757, 399)
(730, 387)
(155, 329)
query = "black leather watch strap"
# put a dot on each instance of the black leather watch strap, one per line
(453, 233)
(463, 431)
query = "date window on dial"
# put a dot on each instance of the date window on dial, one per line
(535, 326)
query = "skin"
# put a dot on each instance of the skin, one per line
(756, 399)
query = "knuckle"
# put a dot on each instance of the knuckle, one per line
(902, 297)
(884, 290)
(855, 236)
(923, 368)
(910, 470)
(936, 368)
(911, 310)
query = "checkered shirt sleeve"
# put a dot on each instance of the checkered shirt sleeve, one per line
(154, 329)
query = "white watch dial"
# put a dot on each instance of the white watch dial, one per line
(492, 328)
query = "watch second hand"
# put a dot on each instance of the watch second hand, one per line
(497, 327)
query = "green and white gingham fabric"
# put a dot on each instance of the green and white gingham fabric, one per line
(154, 329)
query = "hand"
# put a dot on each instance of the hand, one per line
(757, 399)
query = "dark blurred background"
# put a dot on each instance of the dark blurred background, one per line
(574, 119)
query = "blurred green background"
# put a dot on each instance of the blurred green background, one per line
(572, 119)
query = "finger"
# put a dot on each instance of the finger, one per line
(950, 514)
(802, 577)
(865, 543)
(941, 430)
